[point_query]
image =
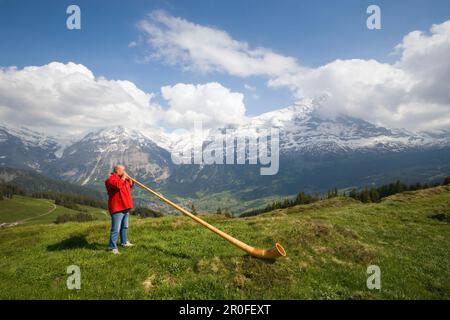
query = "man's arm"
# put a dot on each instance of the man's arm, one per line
(126, 177)
(115, 182)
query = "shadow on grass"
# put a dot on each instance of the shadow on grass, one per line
(247, 258)
(75, 242)
(443, 217)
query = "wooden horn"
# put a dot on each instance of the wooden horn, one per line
(273, 253)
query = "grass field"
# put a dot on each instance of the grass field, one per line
(37, 211)
(329, 244)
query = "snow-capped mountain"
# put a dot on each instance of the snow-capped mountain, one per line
(89, 160)
(24, 148)
(29, 137)
(303, 129)
(316, 151)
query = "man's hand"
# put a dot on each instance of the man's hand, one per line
(127, 177)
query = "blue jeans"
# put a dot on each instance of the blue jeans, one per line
(119, 223)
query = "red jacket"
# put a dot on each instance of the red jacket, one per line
(119, 192)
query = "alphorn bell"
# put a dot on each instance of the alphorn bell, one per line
(276, 252)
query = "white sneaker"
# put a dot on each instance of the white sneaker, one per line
(115, 251)
(128, 244)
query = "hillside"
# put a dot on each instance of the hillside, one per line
(31, 181)
(316, 152)
(329, 244)
(26, 210)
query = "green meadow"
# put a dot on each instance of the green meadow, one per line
(329, 246)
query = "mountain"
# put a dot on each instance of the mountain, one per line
(89, 160)
(31, 181)
(317, 152)
(26, 149)
(303, 128)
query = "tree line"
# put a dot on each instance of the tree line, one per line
(78, 217)
(144, 212)
(70, 200)
(375, 194)
(301, 198)
(224, 212)
(7, 191)
(365, 195)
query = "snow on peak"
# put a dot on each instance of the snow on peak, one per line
(117, 130)
(279, 118)
(30, 138)
(116, 133)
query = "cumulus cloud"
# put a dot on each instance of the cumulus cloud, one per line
(426, 57)
(68, 99)
(211, 103)
(362, 88)
(412, 92)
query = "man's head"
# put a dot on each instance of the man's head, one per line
(119, 170)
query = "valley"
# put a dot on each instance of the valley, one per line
(316, 152)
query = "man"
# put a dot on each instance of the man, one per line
(120, 202)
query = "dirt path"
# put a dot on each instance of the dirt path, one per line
(12, 224)
(41, 215)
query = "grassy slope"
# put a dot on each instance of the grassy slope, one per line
(31, 209)
(329, 245)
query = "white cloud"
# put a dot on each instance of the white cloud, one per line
(211, 103)
(414, 92)
(427, 58)
(68, 98)
(205, 49)
(362, 88)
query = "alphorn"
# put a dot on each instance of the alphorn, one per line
(276, 252)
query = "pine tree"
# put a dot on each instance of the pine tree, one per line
(446, 181)
(352, 193)
(374, 195)
(365, 195)
(300, 199)
(332, 193)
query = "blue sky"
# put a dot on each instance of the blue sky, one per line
(313, 32)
